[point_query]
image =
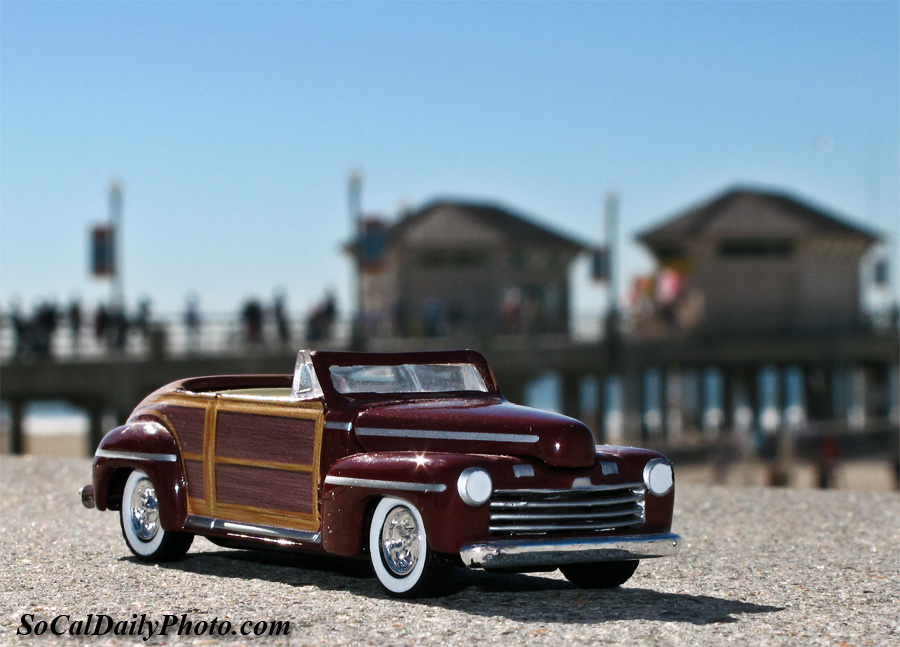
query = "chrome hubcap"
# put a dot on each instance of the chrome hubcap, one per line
(400, 539)
(144, 510)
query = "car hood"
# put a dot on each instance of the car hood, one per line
(483, 426)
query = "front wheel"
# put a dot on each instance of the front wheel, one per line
(139, 518)
(599, 575)
(398, 549)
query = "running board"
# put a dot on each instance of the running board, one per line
(251, 531)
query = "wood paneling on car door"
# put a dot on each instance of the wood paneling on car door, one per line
(266, 462)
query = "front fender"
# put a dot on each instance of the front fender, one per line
(427, 480)
(151, 448)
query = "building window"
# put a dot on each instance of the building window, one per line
(668, 254)
(747, 248)
(451, 258)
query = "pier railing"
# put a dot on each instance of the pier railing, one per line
(224, 334)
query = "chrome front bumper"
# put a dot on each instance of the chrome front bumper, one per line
(522, 553)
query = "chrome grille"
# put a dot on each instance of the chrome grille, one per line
(594, 508)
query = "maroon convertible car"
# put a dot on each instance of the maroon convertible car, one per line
(413, 460)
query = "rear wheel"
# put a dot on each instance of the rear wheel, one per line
(141, 528)
(398, 549)
(599, 575)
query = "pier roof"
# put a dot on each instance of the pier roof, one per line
(512, 226)
(753, 212)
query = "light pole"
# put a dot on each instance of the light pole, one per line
(115, 225)
(611, 216)
(354, 199)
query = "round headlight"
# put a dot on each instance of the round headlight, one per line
(658, 476)
(474, 486)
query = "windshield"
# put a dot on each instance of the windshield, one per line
(407, 378)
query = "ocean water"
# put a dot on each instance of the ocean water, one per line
(49, 418)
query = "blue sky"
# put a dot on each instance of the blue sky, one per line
(233, 126)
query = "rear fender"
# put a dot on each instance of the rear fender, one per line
(149, 447)
(429, 481)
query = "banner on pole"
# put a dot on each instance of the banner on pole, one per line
(102, 252)
(600, 265)
(373, 245)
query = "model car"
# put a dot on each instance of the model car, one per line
(414, 461)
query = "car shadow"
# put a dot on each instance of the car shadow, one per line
(519, 597)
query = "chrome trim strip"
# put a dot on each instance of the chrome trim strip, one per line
(587, 503)
(524, 553)
(244, 527)
(447, 435)
(553, 516)
(516, 528)
(135, 456)
(340, 426)
(386, 485)
(579, 490)
(251, 531)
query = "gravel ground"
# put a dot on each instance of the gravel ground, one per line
(759, 566)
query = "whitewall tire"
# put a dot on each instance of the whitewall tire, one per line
(398, 550)
(139, 518)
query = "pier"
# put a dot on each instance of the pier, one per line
(684, 394)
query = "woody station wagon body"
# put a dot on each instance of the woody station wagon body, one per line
(414, 460)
